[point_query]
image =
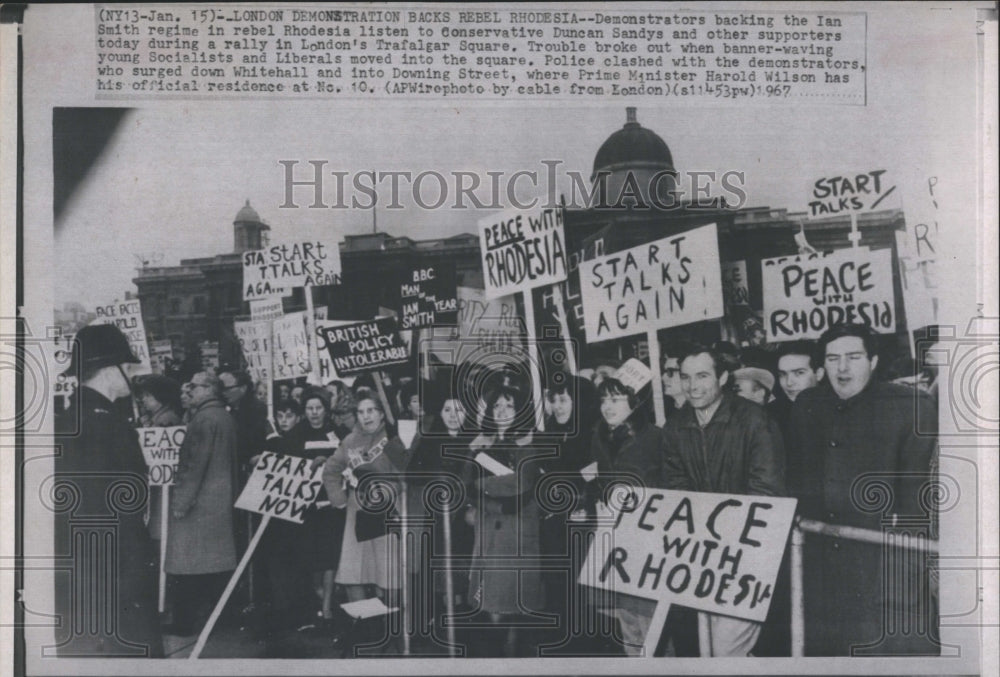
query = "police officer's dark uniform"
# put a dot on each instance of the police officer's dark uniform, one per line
(108, 602)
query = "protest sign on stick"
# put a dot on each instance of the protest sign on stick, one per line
(523, 249)
(852, 193)
(806, 295)
(279, 268)
(666, 283)
(161, 448)
(290, 347)
(266, 309)
(669, 282)
(717, 553)
(255, 343)
(364, 346)
(127, 316)
(426, 296)
(281, 487)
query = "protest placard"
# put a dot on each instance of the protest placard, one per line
(281, 486)
(209, 355)
(277, 269)
(127, 316)
(522, 249)
(484, 326)
(365, 346)
(159, 353)
(916, 249)
(327, 372)
(255, 342)
(805, 295)
(851, 193)
(266, 309)
(735, 291)
(633, 374)
(161, 447)
(713, 552)
(666, 283)
(426, 296)
(290, 347)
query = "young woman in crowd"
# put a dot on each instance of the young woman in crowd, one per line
(371, 454)
(629, 450)
(572, 403)
(505, 513)
(323, 525)
(440, 462)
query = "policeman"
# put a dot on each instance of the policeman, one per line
(108, 602)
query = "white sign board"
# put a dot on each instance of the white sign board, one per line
(255, 342)
(713, 552)
(852, 192)
(161, 447)
(633, 374)
(290, 347)
(805, 295)
(127, 316)
(666, 283)
(281, 486)
(266, 309)
(277, 269)
(522, 249)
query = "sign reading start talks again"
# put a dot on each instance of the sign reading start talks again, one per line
(276, 270)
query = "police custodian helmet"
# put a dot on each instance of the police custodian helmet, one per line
(99, 345)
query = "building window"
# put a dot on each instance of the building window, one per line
(199, 304)
(175, 306)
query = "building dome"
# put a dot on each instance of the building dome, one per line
(634, 169)
(633, 146)
(247, 213)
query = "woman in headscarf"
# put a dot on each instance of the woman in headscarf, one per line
(504, 513)
(370, 456)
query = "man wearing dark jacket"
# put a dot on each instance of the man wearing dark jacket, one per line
(107, 603)
(863, 463)
(721, 443)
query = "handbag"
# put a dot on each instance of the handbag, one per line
(370, 522)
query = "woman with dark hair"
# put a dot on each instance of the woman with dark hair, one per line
(372, 453)
(160, 405)
(572, 402)
(437, 470)
(504, 512)
(323, 526)
(628, 449)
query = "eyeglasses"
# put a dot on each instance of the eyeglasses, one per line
(192, 386)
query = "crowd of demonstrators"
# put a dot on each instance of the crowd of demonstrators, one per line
(803, 419)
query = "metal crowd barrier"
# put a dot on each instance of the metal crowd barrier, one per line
(804, 526)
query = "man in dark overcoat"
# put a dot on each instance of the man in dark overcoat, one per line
(863, 463)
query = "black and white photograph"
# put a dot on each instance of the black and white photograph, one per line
(543, 338)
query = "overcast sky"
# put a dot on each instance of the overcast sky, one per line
(175, 174)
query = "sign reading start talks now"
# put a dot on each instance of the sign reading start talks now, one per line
(714, 552)
(282, 486)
